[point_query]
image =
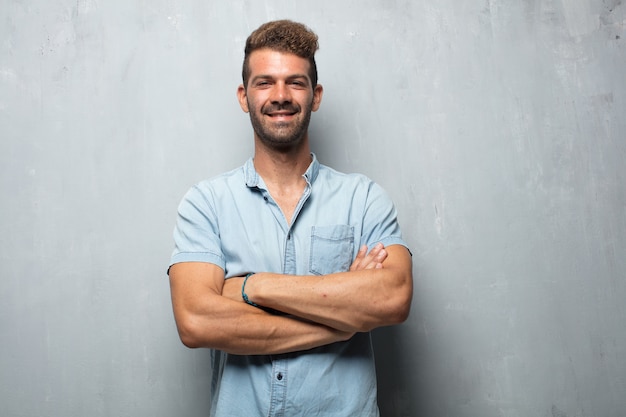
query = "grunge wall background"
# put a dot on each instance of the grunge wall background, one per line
(497, 126)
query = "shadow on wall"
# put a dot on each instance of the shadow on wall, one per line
(394, 391)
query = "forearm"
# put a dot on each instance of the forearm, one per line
(206, 318)
(241, 329)
(349, 301)
(331, 301)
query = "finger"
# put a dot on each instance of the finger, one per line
(381, 256)
(359, 258)
(376, 257)
(378, 252)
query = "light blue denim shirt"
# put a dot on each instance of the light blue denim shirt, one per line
(233, 222)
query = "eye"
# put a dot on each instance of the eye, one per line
(262, 84)
(298, 83)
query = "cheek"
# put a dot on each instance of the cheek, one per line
(254, 103)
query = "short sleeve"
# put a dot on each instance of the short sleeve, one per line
(196, 234)
(380, 223)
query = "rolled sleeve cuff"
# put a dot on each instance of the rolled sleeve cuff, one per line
(393, 240)
(207, 257)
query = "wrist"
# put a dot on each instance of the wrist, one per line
(244, 294)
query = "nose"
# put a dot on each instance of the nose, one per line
(280, 93)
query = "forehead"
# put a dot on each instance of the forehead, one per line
(268, 62)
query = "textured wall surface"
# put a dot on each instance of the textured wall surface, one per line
(497, 126)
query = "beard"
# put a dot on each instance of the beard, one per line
(280, 135)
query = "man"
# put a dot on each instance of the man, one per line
(271, 268)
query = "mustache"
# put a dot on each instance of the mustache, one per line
(272, 108)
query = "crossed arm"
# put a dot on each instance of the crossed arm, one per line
(210, 312)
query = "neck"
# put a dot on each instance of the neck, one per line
(282, 168)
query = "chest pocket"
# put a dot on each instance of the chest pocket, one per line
(332, 248)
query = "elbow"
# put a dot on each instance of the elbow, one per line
(398, 306)
(404, 299)
(188, 333)
(195, 332)
(402, 305)
(401, 312)
(189, 341)
(396, 311)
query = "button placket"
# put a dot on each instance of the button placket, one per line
(279, 388)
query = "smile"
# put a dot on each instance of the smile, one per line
(281, 115)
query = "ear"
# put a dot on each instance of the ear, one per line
(318, 91)
(242, 96)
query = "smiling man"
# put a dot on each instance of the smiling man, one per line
(279, 101)
(282, 266)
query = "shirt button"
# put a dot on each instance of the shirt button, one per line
(279, 376)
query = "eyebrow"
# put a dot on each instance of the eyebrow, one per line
(271, 77)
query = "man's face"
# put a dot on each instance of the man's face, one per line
(279, 97)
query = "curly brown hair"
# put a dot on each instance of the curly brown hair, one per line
(283, 36)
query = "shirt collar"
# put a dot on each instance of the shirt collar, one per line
(253, 179)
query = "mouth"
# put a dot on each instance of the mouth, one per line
(281, 118)
(281, 113)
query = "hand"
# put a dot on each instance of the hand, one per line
(372, 260)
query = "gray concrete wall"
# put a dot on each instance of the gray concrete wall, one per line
(497, 126)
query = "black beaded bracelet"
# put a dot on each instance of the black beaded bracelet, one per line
(243, 290)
